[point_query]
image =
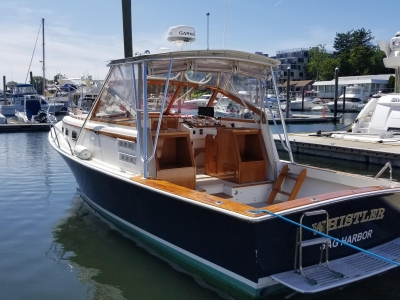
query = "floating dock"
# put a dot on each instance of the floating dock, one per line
(375, 151)
(19, 127)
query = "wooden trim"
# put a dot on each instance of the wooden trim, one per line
(215, 90)
(119, 121)
(197, 196)
(179, 88)
(238, 120)
(242, 209)
(114, 135)
(296, 203)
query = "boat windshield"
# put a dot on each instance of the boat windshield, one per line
(230, 93)
(25, 89)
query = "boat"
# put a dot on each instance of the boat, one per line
(361, 106)
(202, 101)
(354, 96)
(311, 100)
(270, 98)
(78, 92)
(211, 194)
(33, 112)
(378, 119)
(20, 92)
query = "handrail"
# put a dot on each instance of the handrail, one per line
(56, 136)
(289, 150)
(279, 134)
(387, 165)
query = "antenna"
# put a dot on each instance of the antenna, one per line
(181, 35)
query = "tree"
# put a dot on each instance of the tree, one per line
(319, 66)
(57, 77)
(10, 85)
(391, 82)
(356, 55)
(353, 38)
(37, 82)
(376, 62)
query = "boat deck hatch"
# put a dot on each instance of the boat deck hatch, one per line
(354, 267)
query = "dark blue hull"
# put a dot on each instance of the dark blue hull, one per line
(231, 251)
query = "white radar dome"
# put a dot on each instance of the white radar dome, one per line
(181, 35)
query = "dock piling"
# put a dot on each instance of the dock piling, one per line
(336, 93)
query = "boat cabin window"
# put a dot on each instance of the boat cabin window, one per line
(66, 131)
(74, 135)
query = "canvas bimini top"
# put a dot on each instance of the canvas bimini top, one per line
(224, 61)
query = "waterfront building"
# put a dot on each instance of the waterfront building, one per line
(371, 84)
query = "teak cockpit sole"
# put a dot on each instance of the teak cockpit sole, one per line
(244, 209)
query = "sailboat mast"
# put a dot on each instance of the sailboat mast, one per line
(44, 77)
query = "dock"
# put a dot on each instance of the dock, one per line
(375, 152)
(19, 127)
(297, 118)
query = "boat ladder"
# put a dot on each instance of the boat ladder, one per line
(323, 241)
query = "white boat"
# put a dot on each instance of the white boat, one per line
(202, 101)
(33, 112)
(18, 101)
(354, 96)
(211, 194)
(378, 120)
(361, 106)
(311, 100)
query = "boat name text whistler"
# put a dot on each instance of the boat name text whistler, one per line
(347, 220)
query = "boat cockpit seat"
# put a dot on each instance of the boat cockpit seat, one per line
(299, 179)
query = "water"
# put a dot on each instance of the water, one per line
(53, 247)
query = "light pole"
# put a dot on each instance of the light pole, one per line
(208, 17)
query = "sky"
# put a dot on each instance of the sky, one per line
(82, 36)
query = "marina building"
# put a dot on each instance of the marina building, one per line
(371, 84)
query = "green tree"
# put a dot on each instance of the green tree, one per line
(320, 62)
(391, 82)
(356, 55)
(376, 62)
(37, 82)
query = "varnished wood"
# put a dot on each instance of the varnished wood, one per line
(185, 177)
(114, 135)
(278, 184)
(174, 158)
(117, 121)
(197, 151)
(241, 156)
(243, 209)
(197, 196)
(297, 203)
(298, 184)
(210, 155)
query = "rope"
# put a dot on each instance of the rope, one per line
(331, 237)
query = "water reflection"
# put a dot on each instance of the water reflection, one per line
(113, 266)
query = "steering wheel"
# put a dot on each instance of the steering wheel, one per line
(202, 120)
